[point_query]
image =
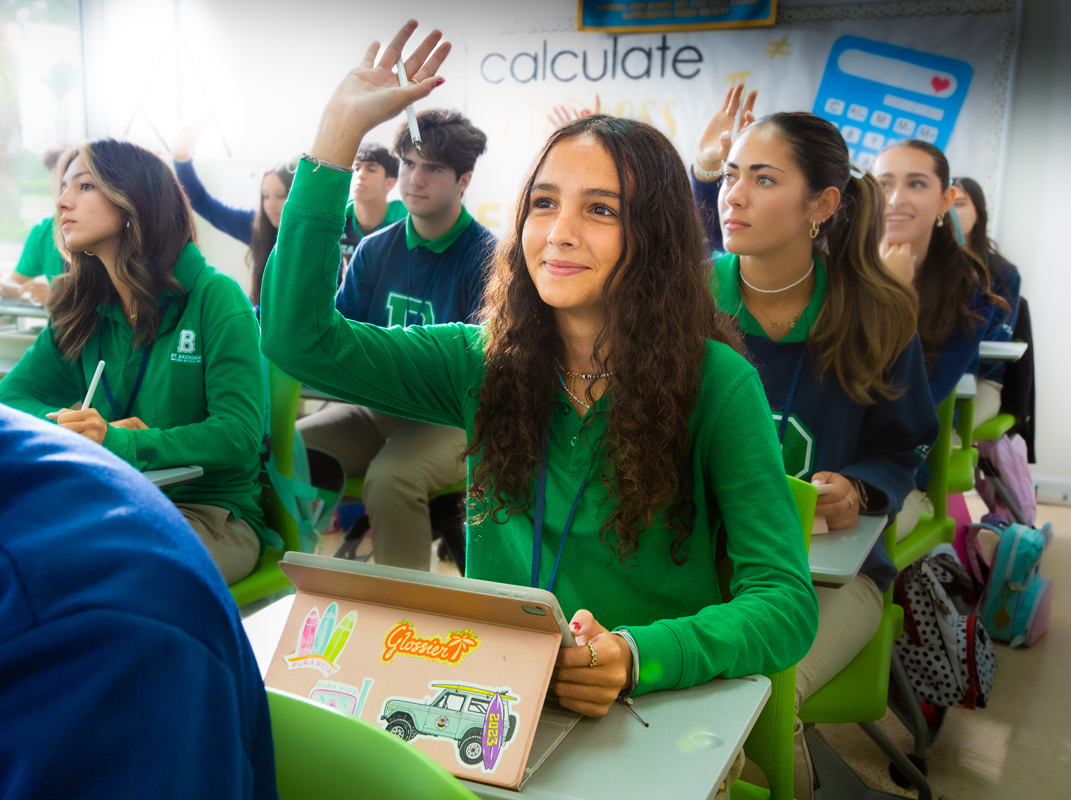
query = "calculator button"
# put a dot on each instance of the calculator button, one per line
(873, 141)
(851, 134)
(904, 127)
(866, 160)
(881, 119)
(927, 133)
(834, 107)
(858, 113)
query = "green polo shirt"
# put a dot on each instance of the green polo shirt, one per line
(414, 240)
(687, 631)
(39, 254)
(725, 284)
(395, 212)
(202, 394)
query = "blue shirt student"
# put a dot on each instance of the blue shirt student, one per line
(881, 444)
(124, 669)
(236, 222)
(397, 278)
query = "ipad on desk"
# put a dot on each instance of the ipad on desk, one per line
(457, 667)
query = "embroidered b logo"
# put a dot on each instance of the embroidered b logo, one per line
(186, 342)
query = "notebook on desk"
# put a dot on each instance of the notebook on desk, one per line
(459, 668)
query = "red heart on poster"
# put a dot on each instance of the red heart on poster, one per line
(940, 84)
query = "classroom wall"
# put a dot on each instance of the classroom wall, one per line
(1036, 210)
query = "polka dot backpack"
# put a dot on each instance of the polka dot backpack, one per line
(948, 655)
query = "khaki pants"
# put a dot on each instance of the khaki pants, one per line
(848, 617)
(914, 504)
(233, 545)
(402, 462)
(987, 402)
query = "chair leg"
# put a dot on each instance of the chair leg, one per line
(899, 759)
(916, 722)
(354, 536)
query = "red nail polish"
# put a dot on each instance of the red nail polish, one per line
(440, 81)
(575, 626)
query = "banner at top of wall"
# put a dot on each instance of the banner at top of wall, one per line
(673, 15)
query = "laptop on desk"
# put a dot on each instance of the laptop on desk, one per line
(457, 667)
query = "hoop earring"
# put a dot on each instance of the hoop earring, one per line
(814, 229)
(940, 222)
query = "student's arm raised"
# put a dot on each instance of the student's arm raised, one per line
(409, 372)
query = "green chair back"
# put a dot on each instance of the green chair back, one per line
(994, 428)
(267, 578)
(769, 745)
(323, 753)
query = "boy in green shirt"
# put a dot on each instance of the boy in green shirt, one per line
(375, 173)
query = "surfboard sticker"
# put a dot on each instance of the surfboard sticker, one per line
(493, 731)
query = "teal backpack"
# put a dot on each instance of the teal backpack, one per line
(1017, 601)
(313, 508)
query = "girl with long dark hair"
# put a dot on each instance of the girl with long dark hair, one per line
(970, 207)
(604, 380)
(832, 335)
(182, 381)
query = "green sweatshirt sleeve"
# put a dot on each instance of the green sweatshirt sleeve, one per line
(32, 261)
(234, 393)
(43, 381)
(421, 372)
(771, 620)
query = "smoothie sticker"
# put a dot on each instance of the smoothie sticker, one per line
(320, 642)
(480, 721)
(341, 697)
(402, 640)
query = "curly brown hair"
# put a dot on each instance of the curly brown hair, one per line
(659, 314)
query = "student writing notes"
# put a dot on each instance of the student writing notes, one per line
(124, 669)
(603, 378)
(182, 380)
(832, 335)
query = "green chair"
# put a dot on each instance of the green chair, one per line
(994, 428)
(964, 457)
(769, 745)
(860, 692)
(267, 578)
(323, 753)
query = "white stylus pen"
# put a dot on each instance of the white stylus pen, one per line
(414, 130)
(93, 385)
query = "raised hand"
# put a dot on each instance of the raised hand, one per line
(370, 94)
(563, 115)
(716, 140)
(188, 134)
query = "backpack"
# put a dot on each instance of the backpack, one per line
(948, 656)
(1003, 470)
(1017, 600)
(312, 508)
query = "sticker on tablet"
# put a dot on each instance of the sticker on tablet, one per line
(402, 640)
(320, 642)
(480, 721)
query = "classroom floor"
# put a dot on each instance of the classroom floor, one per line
(1019, 746)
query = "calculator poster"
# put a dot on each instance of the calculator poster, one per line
(877, 94)
(941, 78)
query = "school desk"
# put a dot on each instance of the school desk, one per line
(967, 388)
(836, 557)
(9, 308)
(174, 476)
(1002, 351)
(694, 736)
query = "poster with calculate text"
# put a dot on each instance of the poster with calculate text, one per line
(677, 81)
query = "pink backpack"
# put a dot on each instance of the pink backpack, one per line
(1008, 458)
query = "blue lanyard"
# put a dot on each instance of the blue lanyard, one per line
(137, 380)
(427, 289)
(786, 410)
(540, 507)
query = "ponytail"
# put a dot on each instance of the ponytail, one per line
(868, 316)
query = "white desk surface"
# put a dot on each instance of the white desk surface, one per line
(694, 736)
(837, 556)
(1002, 351)
(173, 476)
(967, 388)
(10, 308)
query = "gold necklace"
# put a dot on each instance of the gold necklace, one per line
(783, 326)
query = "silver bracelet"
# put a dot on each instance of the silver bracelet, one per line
(319, 162)
(624, 634)
(706, 174)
